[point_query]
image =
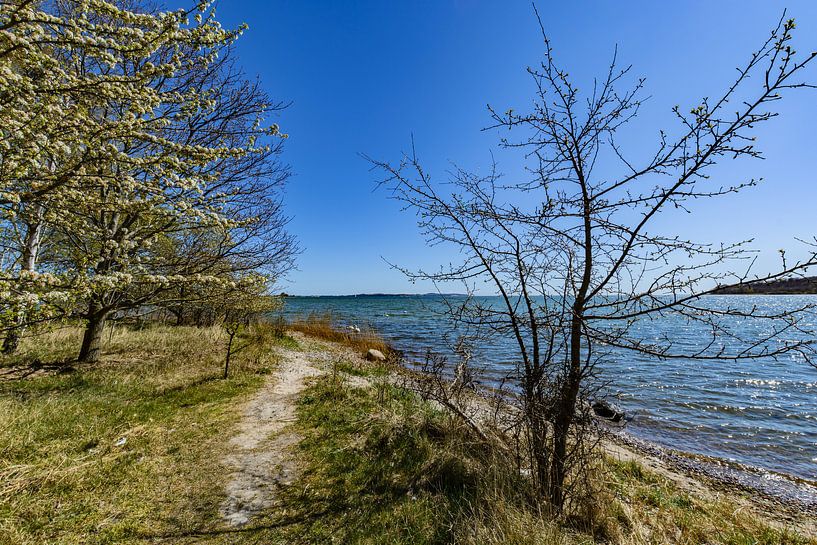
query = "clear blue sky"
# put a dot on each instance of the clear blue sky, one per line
(364, 76)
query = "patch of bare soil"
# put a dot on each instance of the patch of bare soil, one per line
(260, 460)
(261, 453)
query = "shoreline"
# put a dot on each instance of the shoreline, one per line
(772, 492)
(784, 490)
(770, 406)
(781, 501)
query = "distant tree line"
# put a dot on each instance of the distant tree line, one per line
(787, 286)
(139, 169)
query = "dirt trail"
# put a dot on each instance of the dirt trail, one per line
(260, 458)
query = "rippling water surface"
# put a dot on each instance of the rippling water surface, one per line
(761, 413)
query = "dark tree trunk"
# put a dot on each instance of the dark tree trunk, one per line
(569, 391)
(558, 466)
(12, 341)
(565, 414)
(540, 452)
(229, 353)
(92, 339)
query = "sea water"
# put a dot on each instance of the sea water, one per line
(761, 413)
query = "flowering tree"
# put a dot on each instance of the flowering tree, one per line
(168, 143)
(48, 135)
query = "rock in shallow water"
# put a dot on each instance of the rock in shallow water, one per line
(606, 410)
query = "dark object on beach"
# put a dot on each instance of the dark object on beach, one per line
(606, 410)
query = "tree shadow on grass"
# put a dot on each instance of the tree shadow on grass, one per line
(384, 471)
(35, 368)
(364, 478)
(246, 531)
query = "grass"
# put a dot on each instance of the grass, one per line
(123, 450)
(324, 326)
(382, 466)
(378, 465)
(652, 509)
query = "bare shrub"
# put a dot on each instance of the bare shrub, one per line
(574, 254)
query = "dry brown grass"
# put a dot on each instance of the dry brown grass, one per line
(324, 326)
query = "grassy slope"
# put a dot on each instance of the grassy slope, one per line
(378, 465)
(64, 478)
(383, 467)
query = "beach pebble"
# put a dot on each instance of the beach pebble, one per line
(375, 355)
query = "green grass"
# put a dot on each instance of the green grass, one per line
(378, 478)
(650, 508)
(66, 477)
(382, 467)
(378, 465)
(361, 369)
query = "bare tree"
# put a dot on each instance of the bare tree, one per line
(242, 309)
(571, 248)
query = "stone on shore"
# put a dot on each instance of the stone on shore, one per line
(375, 355)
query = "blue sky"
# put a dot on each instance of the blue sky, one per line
(364, 76)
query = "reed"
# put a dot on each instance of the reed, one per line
(326, 326)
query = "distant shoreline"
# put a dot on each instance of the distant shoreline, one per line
(726, 290)
(790, 286)
(431, 294)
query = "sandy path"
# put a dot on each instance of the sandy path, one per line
(260, 458)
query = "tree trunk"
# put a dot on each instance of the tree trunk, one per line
(565, 414)
(558, 465)
(229, 353)
(540, 450)
(31, 250)
(12, 340)
(569, 392)
(92, 339)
